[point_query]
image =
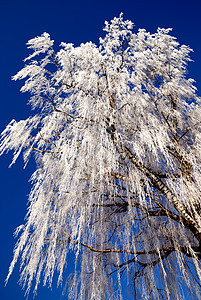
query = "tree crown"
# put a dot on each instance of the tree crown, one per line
(116, 137)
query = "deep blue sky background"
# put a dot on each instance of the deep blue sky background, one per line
(76, 22)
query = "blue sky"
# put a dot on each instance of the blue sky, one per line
(76, 22)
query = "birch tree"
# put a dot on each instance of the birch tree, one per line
(115, 133)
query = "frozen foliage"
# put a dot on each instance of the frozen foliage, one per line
(116, 136)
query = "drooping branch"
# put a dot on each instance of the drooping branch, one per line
(184, 250)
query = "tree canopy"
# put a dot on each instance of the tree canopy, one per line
(115, 133)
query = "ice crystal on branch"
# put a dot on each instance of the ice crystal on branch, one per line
(116, 137)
